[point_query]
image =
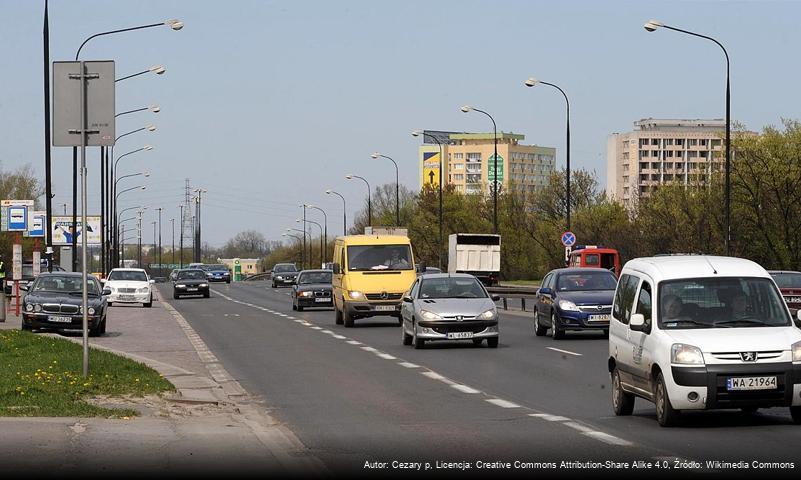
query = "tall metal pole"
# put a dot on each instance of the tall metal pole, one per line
(344, 211)
(325, 234)
(48, 170)
(139, 240)
(84, 203)
(172, 221)
(304, 231)
(102, 210)
(495, 172)
(441, 174)
(160, 267)
(181, 260)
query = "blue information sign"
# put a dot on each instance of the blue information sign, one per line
(17, 218)
(568, 239)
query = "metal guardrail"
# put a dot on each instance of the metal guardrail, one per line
(522, 293)
(258, 276)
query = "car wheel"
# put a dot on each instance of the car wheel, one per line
(622, 402)
(337, 316)
(207, 295)
(175, 295)
(478, 341)
(273, 285)
(407, 339)
(419, 343)
(347, 318)
(95, 331)
(666, 415)
(148, 304)
(539, 330)
(556, 332)
(400, 321)
(294, 307)
(299, 308)
(228, 281)
(25, 327)
(103, 325)
(606, 333)
(795, 412)
(492, 342)
(110, 304)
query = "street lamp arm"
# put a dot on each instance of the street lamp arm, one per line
(128, 190)
(125, 176)
(77, 54)
(701, 36)
(494, 127)
(562, 92)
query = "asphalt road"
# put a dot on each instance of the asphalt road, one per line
(356, 395)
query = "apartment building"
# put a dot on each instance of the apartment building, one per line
(661, 151)
(470, 167)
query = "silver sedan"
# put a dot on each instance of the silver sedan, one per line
(449, 307)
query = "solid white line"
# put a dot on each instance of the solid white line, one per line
(610, 439)
(407, 364)
(502, 403)
(464, 388)
(564, 351)
(386, 356)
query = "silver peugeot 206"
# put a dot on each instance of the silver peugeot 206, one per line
(449, 307)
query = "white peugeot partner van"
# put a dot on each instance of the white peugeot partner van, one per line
(693, 332)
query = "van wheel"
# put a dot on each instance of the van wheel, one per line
(556, 332)
(539, 330)
(347, 318)
(795, 412)
(337, 316)
(666, 415)
(622, 402)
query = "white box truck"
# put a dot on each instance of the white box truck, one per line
(478, 254)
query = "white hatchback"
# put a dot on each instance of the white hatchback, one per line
(129, 285)
(693, 332)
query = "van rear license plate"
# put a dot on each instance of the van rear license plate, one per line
(751, 383)
(458, 335)
(600, 318)
(59, 319)
(385, 308)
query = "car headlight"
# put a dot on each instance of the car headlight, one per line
(29, 307)
(143, 290)
(180, 285)
(91, 311)
(797, 352)
(568, 305)
(37, 308)
(686, 354)
(306, 294)
(429, 315)
(355, 295)
(279, 277)
(488, 315)
(204, 285)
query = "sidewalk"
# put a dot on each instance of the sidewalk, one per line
(210, 426)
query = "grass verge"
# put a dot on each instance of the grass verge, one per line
(41, 376)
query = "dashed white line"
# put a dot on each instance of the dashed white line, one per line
(386, 356)
(502, 403)
(548, 417)
(407, 364)
(369, 349)
(354, 342)
(433, 375)
(564, 351)
(315, 328)
(464, 388)
(610, 439)
(339, 337)
(579, 427)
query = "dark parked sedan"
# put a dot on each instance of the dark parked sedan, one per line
(190, 282)
(54, 301)
(313, 289)
(574, 299)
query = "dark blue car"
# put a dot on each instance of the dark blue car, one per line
(574, 299)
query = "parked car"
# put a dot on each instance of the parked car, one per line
(129, 285)
(284, 274)
(54, 301)
(790, 285)
(217, 272)
(449, 307)
(578, 298)
(190, 281)
(702, 332)
(313, 289)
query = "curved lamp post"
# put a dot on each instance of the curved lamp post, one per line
(532, 82)
(325, 221)
(344, 210)
(467, 109)
(299, 241)
(303, 249)
(311, 259)
(157, 69)
(113, 208)
(653, 25)
(350, 176)
(417, 133)
(397, 187)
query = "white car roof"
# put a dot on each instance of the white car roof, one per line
(672, 267)
(128, 270)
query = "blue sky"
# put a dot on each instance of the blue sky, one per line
(267, 103)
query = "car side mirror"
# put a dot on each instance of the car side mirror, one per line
(407, 299)
(337, 269)
(545, 291)
(495, 297)
(637, 322)
(106, 292)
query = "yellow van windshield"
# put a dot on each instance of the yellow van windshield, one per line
(379, 258)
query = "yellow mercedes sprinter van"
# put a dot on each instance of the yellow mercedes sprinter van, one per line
(371, 274)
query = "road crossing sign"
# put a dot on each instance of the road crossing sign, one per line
(568, 239)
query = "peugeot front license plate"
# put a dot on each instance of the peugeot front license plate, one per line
(458, 335)
(385, 308)
(751, 383)
(59, 319)
(600, 318)
(322, 300)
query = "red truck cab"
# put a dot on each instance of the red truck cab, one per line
(595, 257)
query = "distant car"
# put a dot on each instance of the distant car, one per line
(790, 285)
(448, 307)
(217, 272)
(129, 285)
(284, 274)
(190, 281)
(578, 298)
(54, 301)
(313, 289)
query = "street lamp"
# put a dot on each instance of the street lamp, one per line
(114, 184)
(198, 244)
(467, 109)
(350, 176)
(172, 221)
(530, 83)
(161, 272)
(181, 244)
(303, 249)
(344, 211)
(397, 186)
(325, 221)
(299, 241)
(417, 133)
(157, 69)
(311, 259)
(651, 26)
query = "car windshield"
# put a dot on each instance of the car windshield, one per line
(128, 275)
(451, 287)
(63, 284)
(721, 303)
(192, 275)
(307, 278)
(586, 281)
(380, 257)
(285, 267)
(785, 280)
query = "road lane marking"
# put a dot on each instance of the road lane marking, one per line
(464, 388)
(502, 403)
(315, 328)
(564, 351)
(386, 356)
(577, 426)
(407, 364)
(369, 349)
(339, 337)
(354, 342)
(550, 418)
(610, 439)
